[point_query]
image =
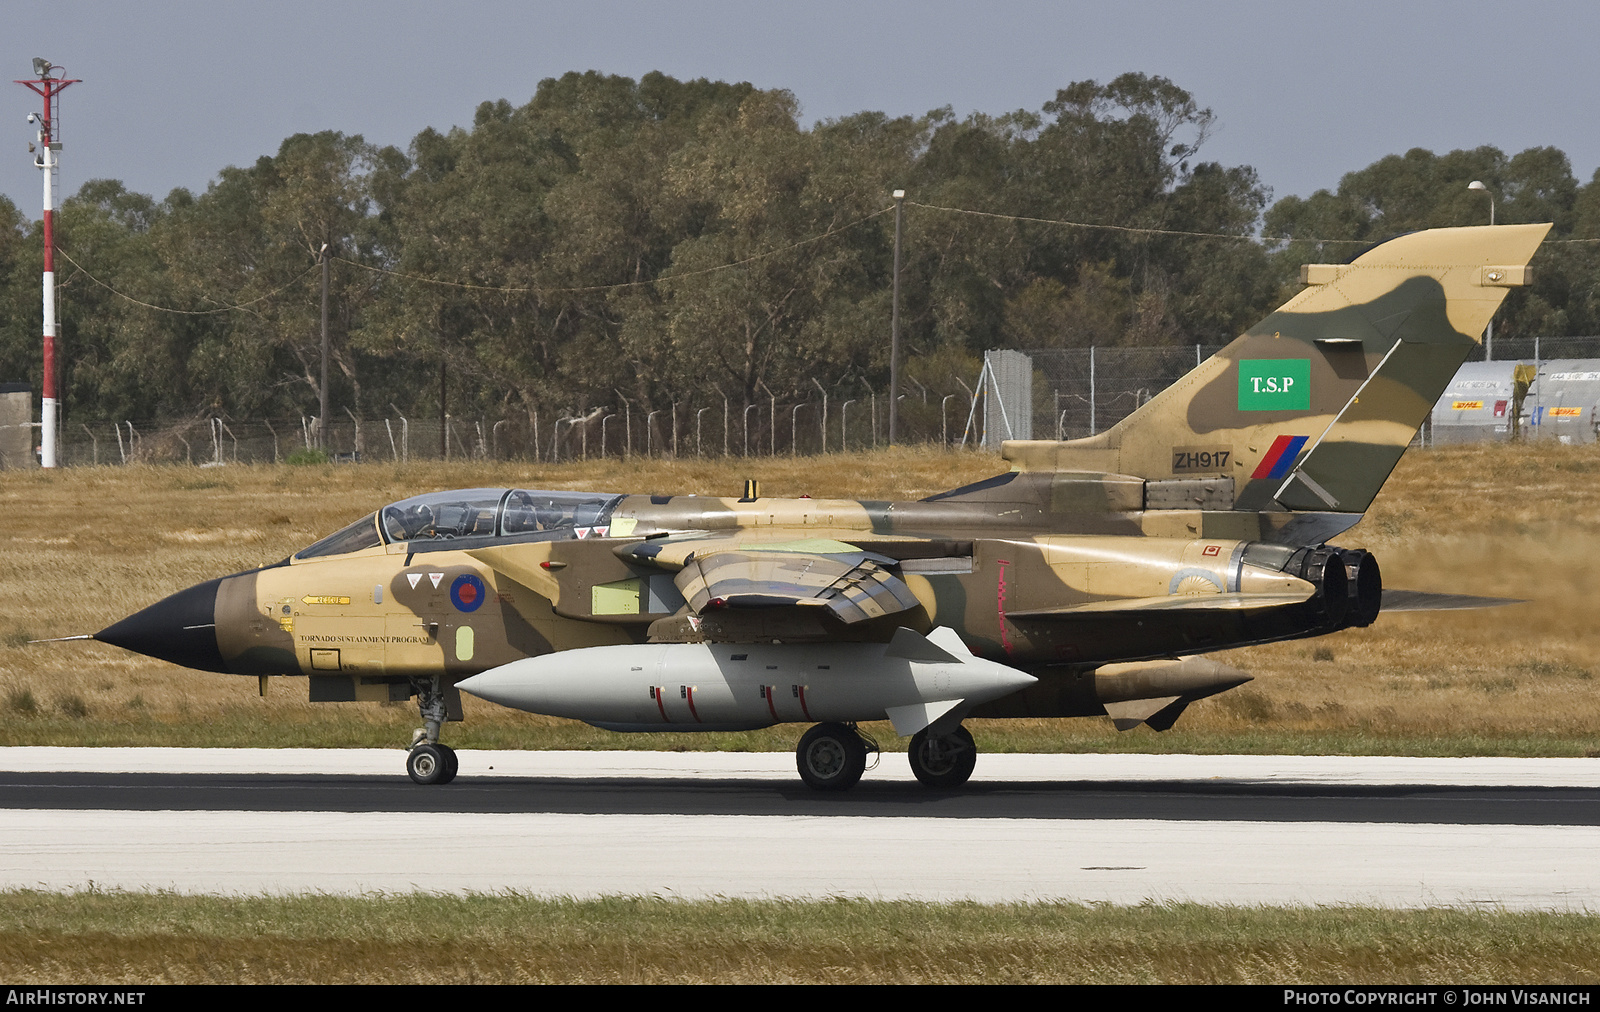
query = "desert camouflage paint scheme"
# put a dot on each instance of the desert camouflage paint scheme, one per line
(1100, 567)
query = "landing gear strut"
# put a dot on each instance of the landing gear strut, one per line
(430, 762)
(832, 757)
(946, 761)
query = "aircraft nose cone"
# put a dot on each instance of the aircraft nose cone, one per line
(181, 629)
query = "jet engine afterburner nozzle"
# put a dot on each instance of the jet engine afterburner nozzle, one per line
(1325, 568)
(1366, 587)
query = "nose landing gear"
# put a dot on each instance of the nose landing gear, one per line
(429, 761)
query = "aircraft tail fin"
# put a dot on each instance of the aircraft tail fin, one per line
(1311, 408)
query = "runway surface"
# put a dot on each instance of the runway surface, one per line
(1513, 833)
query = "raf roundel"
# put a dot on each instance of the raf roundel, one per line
(467, 592)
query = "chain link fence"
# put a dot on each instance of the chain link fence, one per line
(1075, 392)
(215, 441)
(1080, 392)
(1539, 349)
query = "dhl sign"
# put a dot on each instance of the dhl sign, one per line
(1466, 405)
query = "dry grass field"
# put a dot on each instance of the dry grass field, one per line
(133, 939)
(87, 546)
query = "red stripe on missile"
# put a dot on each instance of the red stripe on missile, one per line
(688, 693)
(660, 693)
(770, 707)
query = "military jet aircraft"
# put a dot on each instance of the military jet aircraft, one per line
(1088, 580)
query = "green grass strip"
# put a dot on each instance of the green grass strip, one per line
(135, 938)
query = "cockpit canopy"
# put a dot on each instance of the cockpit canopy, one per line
(477, 513)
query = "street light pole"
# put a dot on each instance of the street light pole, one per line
(322, 395)
(894, 325)
(1488, 334)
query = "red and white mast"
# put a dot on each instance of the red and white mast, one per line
(47, 158)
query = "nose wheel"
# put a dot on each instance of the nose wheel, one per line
(432, 763)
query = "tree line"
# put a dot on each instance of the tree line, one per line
(659, 241)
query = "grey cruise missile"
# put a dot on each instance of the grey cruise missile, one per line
(913, 681)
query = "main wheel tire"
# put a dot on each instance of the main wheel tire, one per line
(452, 764)
(426, 764)
(831, 757)
(946, 761)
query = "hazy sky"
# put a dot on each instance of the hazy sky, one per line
(172, 92)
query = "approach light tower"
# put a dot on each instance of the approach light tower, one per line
(48, 84)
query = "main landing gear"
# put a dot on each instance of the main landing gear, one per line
(429, 761)
(832, 757)
(943, 762)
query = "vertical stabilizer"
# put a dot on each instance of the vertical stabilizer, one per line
(1311, 408)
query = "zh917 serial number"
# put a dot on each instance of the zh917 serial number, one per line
(1192, 459)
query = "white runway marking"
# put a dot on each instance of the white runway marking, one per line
(1021, 768)
(1120, 861)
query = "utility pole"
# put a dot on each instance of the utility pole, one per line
(47, 158)
(322, 394)
(894, 328)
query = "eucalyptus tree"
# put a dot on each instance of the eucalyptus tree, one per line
(786, 210)
(1419, 189)
(251, 245)
(118, 358)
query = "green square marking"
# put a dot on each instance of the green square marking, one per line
(619, 598)
(1274, 384)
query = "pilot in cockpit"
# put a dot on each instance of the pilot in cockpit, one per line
(408, 524)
